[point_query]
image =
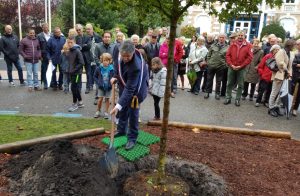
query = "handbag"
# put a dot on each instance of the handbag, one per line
(271, 64)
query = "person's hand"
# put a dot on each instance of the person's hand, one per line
(114, 111)
(113, 81)
(298, 65)
(238, 67)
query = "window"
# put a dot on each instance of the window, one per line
(289, 1)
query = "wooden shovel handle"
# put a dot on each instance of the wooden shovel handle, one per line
(112, 131)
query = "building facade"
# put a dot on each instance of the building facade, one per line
(288, 15)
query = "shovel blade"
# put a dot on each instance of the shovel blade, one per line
(110, 163)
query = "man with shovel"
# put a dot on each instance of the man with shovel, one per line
(131, 73)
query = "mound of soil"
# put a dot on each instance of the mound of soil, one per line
(59, 168)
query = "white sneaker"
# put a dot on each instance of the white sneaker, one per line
(294, 113)
(257, 104)
(80, 104)
(12, 84)
(106, 116)
(97, 114)
(73, 107)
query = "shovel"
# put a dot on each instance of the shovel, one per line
(109, 162)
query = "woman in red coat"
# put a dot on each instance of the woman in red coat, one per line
(265, 74)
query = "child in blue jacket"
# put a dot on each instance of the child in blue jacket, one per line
(102, 76)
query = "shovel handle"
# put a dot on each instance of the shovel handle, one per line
(112, 131)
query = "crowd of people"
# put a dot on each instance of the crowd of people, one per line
(233, 63)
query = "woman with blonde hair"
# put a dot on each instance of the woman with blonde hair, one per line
(196, 58)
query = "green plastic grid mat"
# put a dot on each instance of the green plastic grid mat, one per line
(136, 153)
(144, 138)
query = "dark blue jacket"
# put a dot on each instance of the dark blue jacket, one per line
(131, 73)
(54, 47)
(43, 44)
(99, 79)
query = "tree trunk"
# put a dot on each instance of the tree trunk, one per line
(166, 110)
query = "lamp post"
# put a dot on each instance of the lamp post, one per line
(20, 22)
(74, 13)
(49, 12)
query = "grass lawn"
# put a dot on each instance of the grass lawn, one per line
(17, 128)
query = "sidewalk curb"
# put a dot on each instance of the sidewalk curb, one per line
(16, 147)
(233, 130)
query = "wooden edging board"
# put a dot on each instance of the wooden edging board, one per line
(234, 130)
(16, 147)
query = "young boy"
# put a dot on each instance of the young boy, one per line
(102, 77)
(76, 62)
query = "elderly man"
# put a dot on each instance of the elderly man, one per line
(85, 43)
(136, 41)
(95, 39)
(272, 40)
(216, 65)
(132, 77)
(54, 47)
(238, 56)
(9, 45)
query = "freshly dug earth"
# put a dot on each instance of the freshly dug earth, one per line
(63, 168)
(58, 168)
(250, 165)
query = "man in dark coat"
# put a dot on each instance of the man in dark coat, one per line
(9, 45)
(85, 43)
(132, 77)
(54, 47)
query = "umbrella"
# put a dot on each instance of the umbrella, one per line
(50, 69)
(286, 97)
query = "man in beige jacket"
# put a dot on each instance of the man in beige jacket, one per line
(284, 59)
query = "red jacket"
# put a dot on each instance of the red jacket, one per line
(239, 55)
(264, 72)
(178, 52)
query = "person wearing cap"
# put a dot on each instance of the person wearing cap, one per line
(238, 57)
(152, 48)
(284, 60)
(265, 74)
(232, 38)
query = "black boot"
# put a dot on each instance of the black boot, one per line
(277, 110)
(272, 112)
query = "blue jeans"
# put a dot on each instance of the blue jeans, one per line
(32, 74)
(17, 64)
(128, 114)
(44, 68)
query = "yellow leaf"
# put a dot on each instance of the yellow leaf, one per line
(196, 130)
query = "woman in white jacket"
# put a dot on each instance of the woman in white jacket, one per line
(158, 84)
(196, 62)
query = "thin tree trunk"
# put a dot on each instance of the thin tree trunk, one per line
(166, 110)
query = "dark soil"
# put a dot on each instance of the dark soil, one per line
(249, 165)
(58, 168)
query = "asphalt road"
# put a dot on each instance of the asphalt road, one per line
(185, 107)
